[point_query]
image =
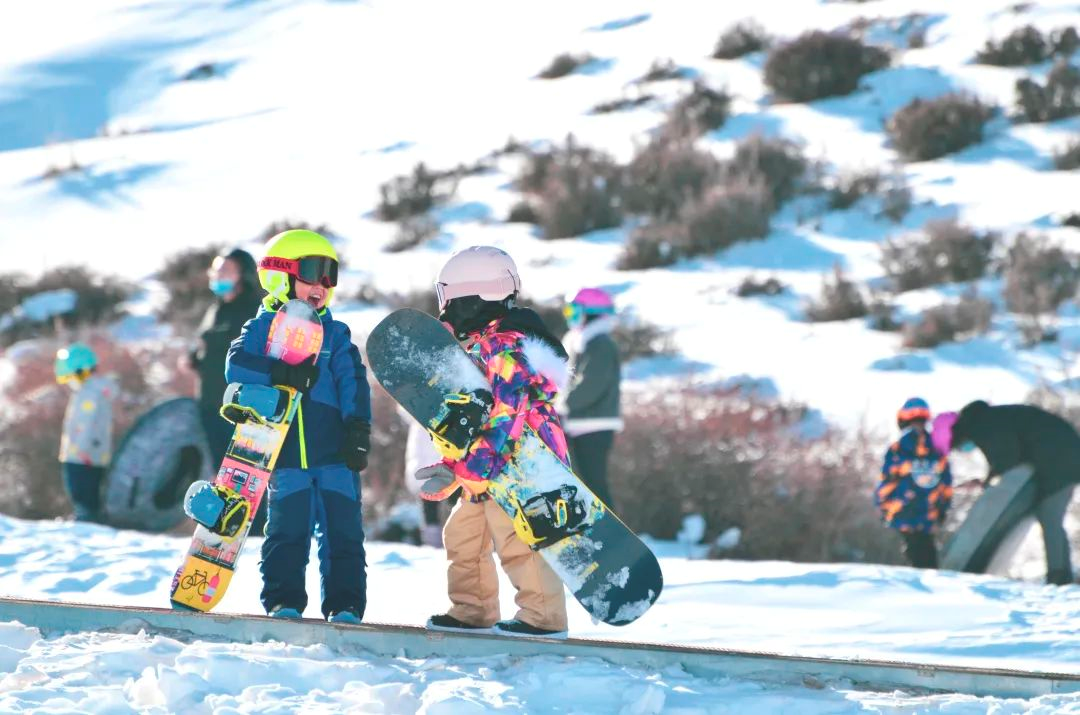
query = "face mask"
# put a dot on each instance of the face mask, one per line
(222, 288)
(966, 446)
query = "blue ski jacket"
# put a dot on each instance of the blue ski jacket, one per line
(341, 393)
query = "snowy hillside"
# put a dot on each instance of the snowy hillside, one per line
(313, 104)
(827, 610)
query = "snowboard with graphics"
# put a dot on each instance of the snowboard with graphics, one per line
(225, 507)
(607, 567)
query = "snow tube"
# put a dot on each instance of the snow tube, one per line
(160, 456)
(991, 519)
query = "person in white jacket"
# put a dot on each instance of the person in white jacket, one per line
(419, 453)
(86, 441)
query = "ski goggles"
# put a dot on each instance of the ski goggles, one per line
(574, 312)
(446, 292)
(309, 269)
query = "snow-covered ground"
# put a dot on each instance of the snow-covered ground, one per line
(806, 609)
(317, 102)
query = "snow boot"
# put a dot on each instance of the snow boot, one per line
(348, 616)
(446, 622)
(521, 629)
(283, 611)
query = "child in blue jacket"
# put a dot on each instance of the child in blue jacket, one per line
(315, 487)
(916, 485)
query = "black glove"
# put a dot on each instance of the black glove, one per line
(356, 444)
(302, 376)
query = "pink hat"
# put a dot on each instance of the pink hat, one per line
(941, 431)
(594, 300)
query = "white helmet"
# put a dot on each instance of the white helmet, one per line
(485, 271)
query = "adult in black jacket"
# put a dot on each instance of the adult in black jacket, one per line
(235, 282)
(1014, 435)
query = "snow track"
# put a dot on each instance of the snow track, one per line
(55, 619)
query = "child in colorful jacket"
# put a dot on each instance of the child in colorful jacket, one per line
(526, 366)
(315, 481)
(86, 441)
(916, 485)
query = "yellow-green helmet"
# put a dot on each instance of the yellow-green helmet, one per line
(301, 254)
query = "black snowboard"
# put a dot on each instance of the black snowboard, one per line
(607, 567)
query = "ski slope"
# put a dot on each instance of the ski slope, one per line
(835, 610)
(315, 103)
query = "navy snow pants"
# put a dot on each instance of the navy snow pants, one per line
(83, 485)
(324, 501)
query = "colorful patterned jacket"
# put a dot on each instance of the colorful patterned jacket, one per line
(87, 435)
(916, 485)
(526, 373)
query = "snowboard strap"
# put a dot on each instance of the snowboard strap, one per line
(300, 426)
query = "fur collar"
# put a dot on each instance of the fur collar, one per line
(576, 339)
(546, 361)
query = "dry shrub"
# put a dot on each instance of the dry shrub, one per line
(891, 189)
(638, 338)
(660, 71)
(415, 194)
(702, 110)
(751, 286)
(576, 189)
(622, 104)
(927, 129)
(384, 478)
(99, 299)
(413, 231)
(1039, 277)
(1057, 99)
(184, 277)
(946, 323)
(523, 212)
(651, 245)
(1072, 219)
(1027, 46)
(840, 299)
(740, 40)
(30, 484)
(666, 174)
(820, 64)
(1068, 157)
(564, 64)
(737, 211)
(276, 227)
(946, 252)
(779, 162)
(738, 461)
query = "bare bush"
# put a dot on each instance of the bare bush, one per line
(651, 245)
(738, 210)
(564, 64)
(840, 299)
(415, 194)
(737, 462)
(98, 299)
(946, 252)
(184, 277)
(276, 227)
(740, 40)
(948, 322)
(1057, 99)
(779, 162)
(638, 338)
(820, 64)
(666, 174)
(523, 212)
(1072, 219)
(1039, 277)
(702, 110)
(660, 71)
(622, 104)
(1068, 157)
(751, 286)
(891, 189)
(413, 231)
(1027, 46)
(927, 129)
(577, 189)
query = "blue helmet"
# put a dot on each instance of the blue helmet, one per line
(74, 359)
(914, 409)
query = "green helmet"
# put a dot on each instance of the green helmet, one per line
(299, 254)
(74, 360)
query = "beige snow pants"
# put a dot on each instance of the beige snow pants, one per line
(472, 532)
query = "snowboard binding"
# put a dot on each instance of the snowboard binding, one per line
(458, 420)
(221, 510)
(552, 516)
(261, 404)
